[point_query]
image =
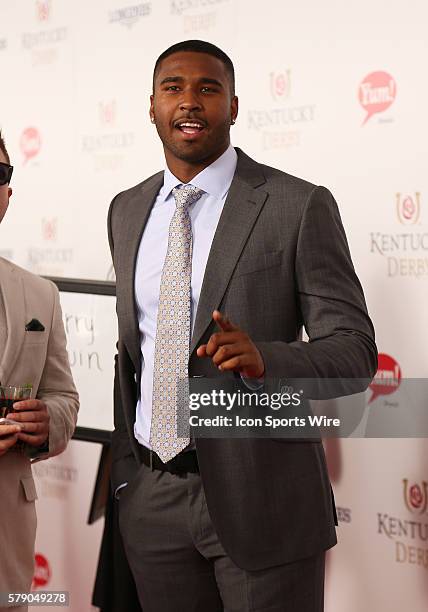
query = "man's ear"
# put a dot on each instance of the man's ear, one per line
(234, 108)
(9, 192)
(151, 111)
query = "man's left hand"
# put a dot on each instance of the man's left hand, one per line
(33, 417)
(232, 349)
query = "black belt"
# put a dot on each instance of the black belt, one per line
(186, 461)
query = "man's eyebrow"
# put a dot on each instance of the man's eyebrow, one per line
(171, 79)
(179, 79)
(211, 81)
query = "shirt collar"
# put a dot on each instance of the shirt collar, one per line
(215, 179)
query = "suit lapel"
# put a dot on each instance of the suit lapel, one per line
(14, 304)
(134, 215)
(241, 209)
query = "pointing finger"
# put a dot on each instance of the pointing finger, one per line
(223, 322)
(202, 350)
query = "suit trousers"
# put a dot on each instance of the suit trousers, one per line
(179, 564)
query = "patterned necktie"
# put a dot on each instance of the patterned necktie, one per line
(173, 329)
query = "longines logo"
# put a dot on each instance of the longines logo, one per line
(405, 253)
(409, 536)
(129, 15)
(416, 496)
(408, 208)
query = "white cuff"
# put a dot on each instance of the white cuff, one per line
(254, 384)
(121, 486)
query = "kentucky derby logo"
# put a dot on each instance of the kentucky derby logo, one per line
(415, 496)
(408, 208)
(43, 10)
(280, 84)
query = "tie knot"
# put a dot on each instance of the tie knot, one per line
(186, 195)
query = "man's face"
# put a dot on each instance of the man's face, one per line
(5, 192)
(192, 107)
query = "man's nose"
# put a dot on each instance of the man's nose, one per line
(190, 102)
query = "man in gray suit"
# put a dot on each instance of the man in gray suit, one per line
(220, 262)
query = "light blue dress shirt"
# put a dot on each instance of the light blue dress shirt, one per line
(215, 181)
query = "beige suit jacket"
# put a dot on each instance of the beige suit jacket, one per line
(39, 358)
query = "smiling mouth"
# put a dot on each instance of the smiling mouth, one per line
(190, 127)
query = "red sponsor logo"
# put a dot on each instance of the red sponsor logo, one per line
(49, 229)
(30, 143)
(376, 93)
(387, 378)
(43, 9)
(415, 496)
(107, 112)
(42, 572)
(408, 208)
(280, 84)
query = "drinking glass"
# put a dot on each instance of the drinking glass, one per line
(10, 395)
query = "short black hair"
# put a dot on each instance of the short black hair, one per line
(199, 46)
(3, 148)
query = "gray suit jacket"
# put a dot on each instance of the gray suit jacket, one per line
(279, 260)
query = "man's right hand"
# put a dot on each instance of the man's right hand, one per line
(8, 437)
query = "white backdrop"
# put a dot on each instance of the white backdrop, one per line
(333, 92)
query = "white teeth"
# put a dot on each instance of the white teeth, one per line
(190, 125)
